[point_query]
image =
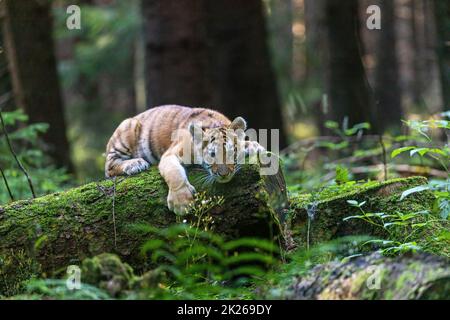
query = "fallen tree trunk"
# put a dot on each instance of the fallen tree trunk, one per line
(64, 228)
(374, 277)
(320, 217)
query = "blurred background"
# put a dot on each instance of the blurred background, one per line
(337, 89)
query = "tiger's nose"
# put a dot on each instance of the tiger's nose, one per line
(222, 171)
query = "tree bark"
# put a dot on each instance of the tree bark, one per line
(346, 86)
(241, 66)
(212, 54)
(176, 57)
(387, 87)
(27, 29)
(442, 13)
(282, 44)
(416, 277)
(90, 220)
(317, 56)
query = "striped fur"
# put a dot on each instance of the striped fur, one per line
(146, 139)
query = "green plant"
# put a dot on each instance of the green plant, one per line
(405, 231)
(441, 154)
(46, 178)
(278, 280)
(201, 264)
(199, 210)
(38, 289)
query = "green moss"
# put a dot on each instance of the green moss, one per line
(325, 211)
(80, 223)
(107, 273)
(353, 190)
(16, 269)
(417, 276)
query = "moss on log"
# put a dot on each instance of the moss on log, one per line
(374, 277)
(102, 277)
(320, 217)
(63, 228)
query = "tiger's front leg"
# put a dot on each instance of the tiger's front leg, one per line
(181, 192)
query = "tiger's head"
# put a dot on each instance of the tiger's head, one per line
(220, 149)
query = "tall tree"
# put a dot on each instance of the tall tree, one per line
(27, 30)
(387, 86)
(5, 81)
(241, 65)
(176, 56)
(426, 62)
(442, 12)
(315, 24)
(316, 56)
(214, 54)
(346, 85)
(282, 42)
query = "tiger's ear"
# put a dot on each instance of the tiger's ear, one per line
(239, 124)
(196, 132)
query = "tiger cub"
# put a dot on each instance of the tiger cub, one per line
(177, 136)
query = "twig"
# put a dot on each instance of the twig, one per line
(6, 184)
(15, 156)
(114, 212)
(383, 147)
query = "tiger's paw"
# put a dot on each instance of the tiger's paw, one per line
(134, 166)
(178, 201)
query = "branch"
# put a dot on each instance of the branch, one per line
(11, 149)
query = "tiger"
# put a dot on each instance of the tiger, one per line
(175, 137)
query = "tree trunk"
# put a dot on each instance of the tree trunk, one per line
(66, 227)
(320, 218)
(5, 80)
(281, 39)
(241, 66)
(27, 30)
(317, 56)
(442, 12)
(346, 86)
(176, 53)
(387, 86)
(426, 64)
(212, 54)
(374, 277)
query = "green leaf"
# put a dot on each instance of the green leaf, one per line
(40, 241)
(249, 257)
(398, 151)
(352, 217)
(331, 125)
(151, 245)
(414, 190)
(252, 243)
(342, 175)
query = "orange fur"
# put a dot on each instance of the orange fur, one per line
(147, 139)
